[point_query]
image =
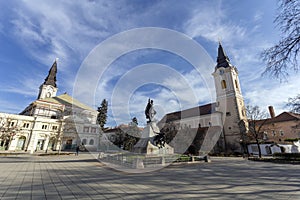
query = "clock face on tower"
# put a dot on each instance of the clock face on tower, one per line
(50, 89)
(221, 71)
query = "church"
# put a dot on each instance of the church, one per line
(50, 122)
(227, 115)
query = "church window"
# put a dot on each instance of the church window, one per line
(54, 127)
(228, 114)
(25, 125)
(91, 142)
(223, 84)
(11, 124)
(84, 141)
(236, 84)
(44, 126)
(86, 129)
(93, 130)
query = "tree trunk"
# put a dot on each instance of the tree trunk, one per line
(259, 151)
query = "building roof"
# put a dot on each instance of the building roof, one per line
(285, 116)
(51, 78)
(191, 112)
(67, 100)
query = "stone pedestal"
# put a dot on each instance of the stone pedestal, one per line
(145, 144)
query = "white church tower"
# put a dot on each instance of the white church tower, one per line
(48, 88)
(229, 100)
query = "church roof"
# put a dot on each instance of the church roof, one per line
(191, 112)
(67, 100)
(51, 78)
(222, 59)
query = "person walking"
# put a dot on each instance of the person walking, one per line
(77, 150)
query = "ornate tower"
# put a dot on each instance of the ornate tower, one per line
(229, 100)
(48, 88)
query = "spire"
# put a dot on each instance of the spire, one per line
(51, 78)
(222, 60)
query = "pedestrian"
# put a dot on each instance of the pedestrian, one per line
(77, 150)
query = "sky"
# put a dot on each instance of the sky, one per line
(129, 51)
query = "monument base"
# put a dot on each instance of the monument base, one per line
(146, 143)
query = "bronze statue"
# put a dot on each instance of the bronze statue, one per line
(149, 111)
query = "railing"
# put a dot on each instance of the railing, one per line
(130, 160)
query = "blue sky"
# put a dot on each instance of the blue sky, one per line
(33, 33)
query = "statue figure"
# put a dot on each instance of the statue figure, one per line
(149, 111)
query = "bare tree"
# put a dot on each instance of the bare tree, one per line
(8, 129)
(283, 56)
(294, 104)
(256, 120)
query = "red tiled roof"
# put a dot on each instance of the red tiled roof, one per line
(285, 116)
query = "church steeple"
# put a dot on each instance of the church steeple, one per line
(222, 59)
(51, 78)
(48, 88)
(229, 98)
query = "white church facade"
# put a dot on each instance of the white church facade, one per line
(50, 122)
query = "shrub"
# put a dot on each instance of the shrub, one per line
(287, 156)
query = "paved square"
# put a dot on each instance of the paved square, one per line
(82, 177)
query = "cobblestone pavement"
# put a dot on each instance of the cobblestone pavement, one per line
(82, 177)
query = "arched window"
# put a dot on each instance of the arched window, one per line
(91, 142)
(268, 150)
(223, 83)
(236, 84)
(84, 141)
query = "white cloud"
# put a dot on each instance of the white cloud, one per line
(214, 24)
(267, 92)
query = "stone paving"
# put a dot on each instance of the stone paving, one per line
(82, 177)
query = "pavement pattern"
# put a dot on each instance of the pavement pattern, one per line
(83, 177)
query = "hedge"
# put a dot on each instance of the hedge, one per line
(287, 156)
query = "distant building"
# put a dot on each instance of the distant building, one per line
(279, 128)
(50, 122)
(277, 134)
(227, 112)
